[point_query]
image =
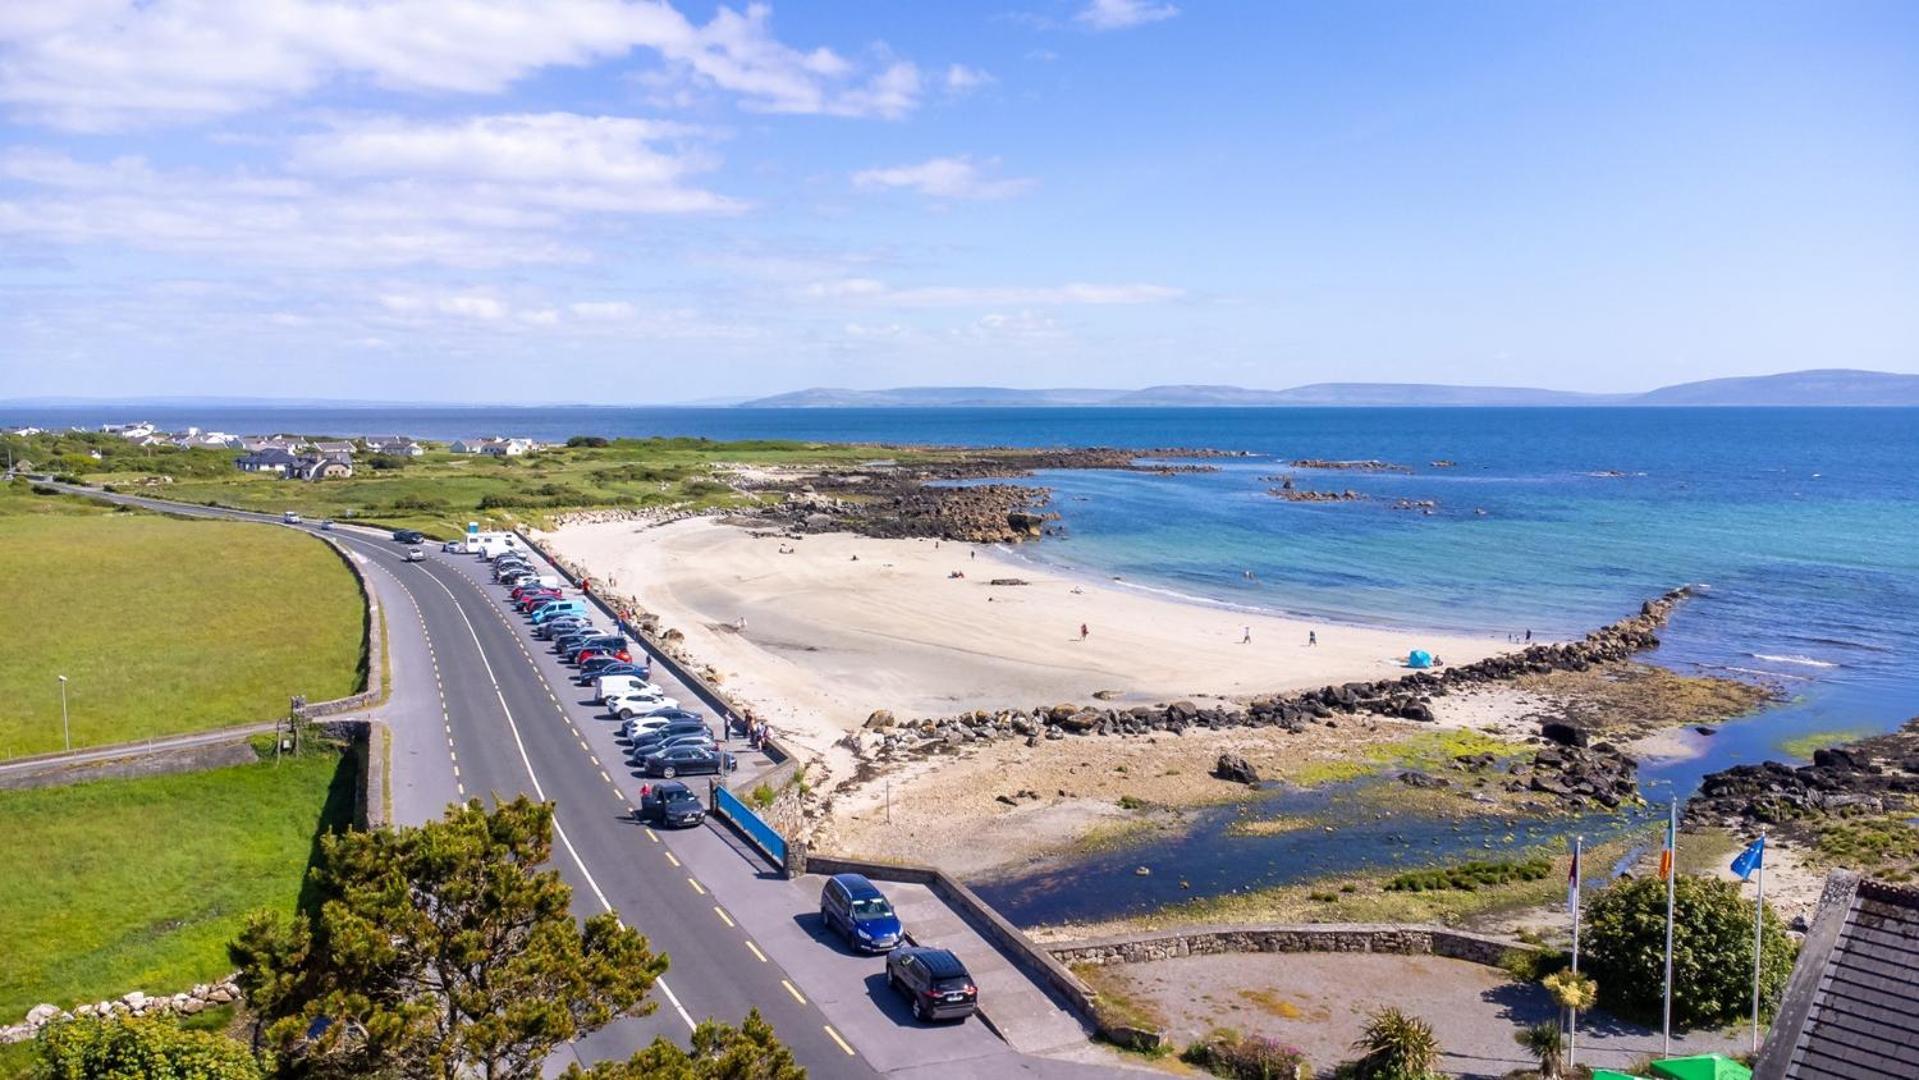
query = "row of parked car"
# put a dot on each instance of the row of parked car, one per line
(663, 738)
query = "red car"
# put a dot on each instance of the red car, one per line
(526, 602)
(621, 655)
(520, 591)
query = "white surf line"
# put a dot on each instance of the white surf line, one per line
(541, 792)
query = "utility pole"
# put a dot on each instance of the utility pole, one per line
(66, 729)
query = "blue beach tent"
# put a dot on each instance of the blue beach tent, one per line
(1419, 658)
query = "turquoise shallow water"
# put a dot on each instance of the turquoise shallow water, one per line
(1802, 523)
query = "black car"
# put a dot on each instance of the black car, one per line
(657, 737)
(687, 760)
(408, 536)
(671, 803)
(618, 667)
(934, 981)
(555, 629)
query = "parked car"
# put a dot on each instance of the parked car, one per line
(610, 686)
(452, 547)
(671, 803)
(675, 742)
(616, 668)
(687, 760)
(415, 554)
(537, 599)
(669, 730)
(638, 727)
(408, 536)
(628, 707)
(858, 911)
(290, 518)
(555, 608)
(934, 981)
(609, 642)
(506, 568)
(600, 665)
(567, 632)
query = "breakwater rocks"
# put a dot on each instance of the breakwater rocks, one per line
(1575, 770)
(137, 1003)
(891, 500)
(1869, 777)
(1368, 465)
(1293, 494)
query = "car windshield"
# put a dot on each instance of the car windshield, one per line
(681, 798)
(872, 907)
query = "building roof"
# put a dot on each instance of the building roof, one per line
(269, 456)
(1851, 1011)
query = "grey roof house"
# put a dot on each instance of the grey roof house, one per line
(272, 460)
(1851, 1011)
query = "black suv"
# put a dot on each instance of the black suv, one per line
(408, 536)
(934, 981)
(671, 803)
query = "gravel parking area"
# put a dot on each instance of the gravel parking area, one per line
(1319, 1002)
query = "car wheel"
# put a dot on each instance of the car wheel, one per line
(919, 1010)
(626, 714)
(669, 772)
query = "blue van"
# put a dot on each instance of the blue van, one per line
(558, 608)
(854, 906)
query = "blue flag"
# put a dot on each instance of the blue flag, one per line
(1750, 859)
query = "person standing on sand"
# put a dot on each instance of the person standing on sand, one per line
(1529, 635)
(1312, 637)
(1248, 638)
(1083, 632)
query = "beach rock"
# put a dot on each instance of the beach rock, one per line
(1007, 799)
(1705, 729)
(1235, 768)
(1565, 734)
(1416, 779)
(878, 719)
(40, 1014)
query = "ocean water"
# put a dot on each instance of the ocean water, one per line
(1801, 524)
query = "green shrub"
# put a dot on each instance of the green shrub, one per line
(762, 796)
(1225, 1052)
(1625, 940)
(1397, 1047)
(1470, 876)
(139, 1049)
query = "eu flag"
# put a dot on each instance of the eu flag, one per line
(1750, 859)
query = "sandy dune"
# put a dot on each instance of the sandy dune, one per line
(837, 625)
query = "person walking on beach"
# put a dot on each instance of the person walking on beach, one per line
(1529, 635)
(1083, 631)
(1312, 637)
(1247, 639)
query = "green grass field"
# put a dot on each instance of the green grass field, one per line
(163, 625)
(118, 885)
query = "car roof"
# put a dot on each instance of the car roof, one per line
(940, 963)
(858, 886)
(670, 787)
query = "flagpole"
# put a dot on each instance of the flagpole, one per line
(1572, 1031)
(1672, 874)
(1758, 938)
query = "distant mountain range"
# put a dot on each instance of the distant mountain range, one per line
(1833, 386)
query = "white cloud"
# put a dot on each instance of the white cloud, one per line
(961, 79)
(1124, 14)
(552, 159)
(942, 178)
(868, 290)
(108, 64)
(485, 191)
(606, 310)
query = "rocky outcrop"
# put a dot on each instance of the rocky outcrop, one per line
(1578, 777)
(1872, 776)
(1293, 494)
(1368, 465)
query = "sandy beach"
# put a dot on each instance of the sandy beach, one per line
(816, 632)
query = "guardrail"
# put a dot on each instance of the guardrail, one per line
(750, 825)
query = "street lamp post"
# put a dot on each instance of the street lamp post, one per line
(65, 729)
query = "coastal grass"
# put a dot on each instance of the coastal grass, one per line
(1119, 1003)
(439, 492)
(1803, 746)
(117, 885)
(1632, 698)
(1424, 751)
(163, 625)
(1884, 847)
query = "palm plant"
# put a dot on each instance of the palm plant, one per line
(1543, 1041)
(1397, 1047)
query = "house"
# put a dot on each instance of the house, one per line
(1851, 1009)
(393, 446)
(507, 447)
(270, 460)
(137, 430)
(467, 446)
(332, 447)
(324, 467)
(201, 442)
(24, 431)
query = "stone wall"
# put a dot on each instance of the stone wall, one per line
(1398, 939)
(373, 684)
(136, 1003)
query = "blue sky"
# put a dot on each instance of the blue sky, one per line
(625, 201)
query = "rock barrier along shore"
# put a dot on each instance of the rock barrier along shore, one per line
(1573, 770)
(1870, 777)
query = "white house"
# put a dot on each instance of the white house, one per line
(508, 447)
(393, 446)
(332, 447)
(465, 446)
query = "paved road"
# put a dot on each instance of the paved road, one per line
(479, 708)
